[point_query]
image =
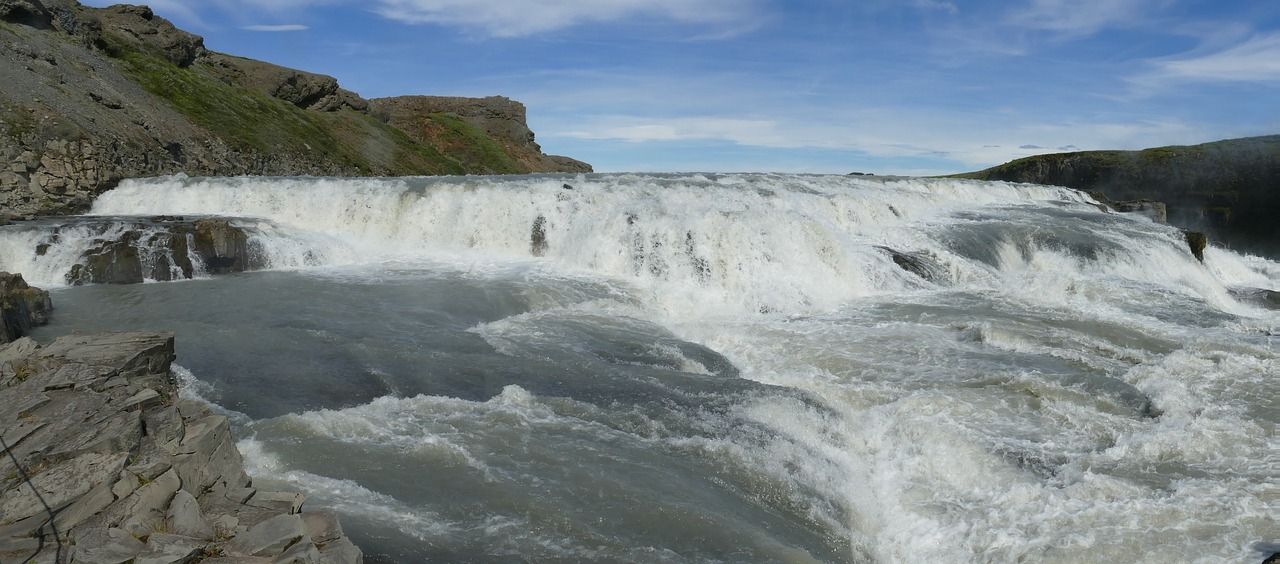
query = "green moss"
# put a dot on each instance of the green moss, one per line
(252, 121)
(468, 144)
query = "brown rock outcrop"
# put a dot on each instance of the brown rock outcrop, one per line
(501, 118)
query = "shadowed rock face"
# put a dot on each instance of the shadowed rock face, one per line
(126, 471)
(21, 307)
(1230, 190)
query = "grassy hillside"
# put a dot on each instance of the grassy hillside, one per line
(250, 120)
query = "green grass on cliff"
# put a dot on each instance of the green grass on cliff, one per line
(252, 121)
(465, 143)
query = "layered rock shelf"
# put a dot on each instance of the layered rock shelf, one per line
(104, 463)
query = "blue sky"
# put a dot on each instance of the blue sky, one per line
(828, 86)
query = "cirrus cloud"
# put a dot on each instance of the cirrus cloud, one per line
(1255, 60)
(502, 18)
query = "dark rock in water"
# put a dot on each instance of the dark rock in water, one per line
(224, 247)
(1269, 299)
(1196, 241)
(538, 237)
(21, 307)
(111, 262)
(1157, 211)
(159, 248)
(917, 264)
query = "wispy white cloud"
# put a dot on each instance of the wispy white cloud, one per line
(503, 18)
(1079, 18)
(971, 141)
(948, 7)
(1254, 60)
(284, 27)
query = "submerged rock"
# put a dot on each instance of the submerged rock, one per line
(918, 264)
(105, 464)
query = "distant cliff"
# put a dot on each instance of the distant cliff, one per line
(91, 96)
(1229, 189)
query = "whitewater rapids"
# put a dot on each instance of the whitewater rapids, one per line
(744, 367)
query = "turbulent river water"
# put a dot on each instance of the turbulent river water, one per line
(694, 368)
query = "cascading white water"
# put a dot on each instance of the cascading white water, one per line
(843, 368)
(741, 242)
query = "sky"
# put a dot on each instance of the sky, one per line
(913, 87)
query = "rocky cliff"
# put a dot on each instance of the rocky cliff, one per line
(1229, 189)
(506, 146)
(91, 96)
(103, 463)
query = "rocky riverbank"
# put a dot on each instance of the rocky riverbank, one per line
(104, 463)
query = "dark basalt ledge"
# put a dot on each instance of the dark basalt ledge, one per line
(103, 463)
(21, 307)
(1225, 189)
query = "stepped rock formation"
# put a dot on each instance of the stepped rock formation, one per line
(1228, 189)
(104, 464)
(91, 96)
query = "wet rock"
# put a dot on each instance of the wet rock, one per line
(538, 237)
(1196, 241)
(21, 307)
(159, 248)
(1269, 299)
(918, 264)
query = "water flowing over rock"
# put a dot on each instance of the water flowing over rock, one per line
(131, 250)
(106, 464)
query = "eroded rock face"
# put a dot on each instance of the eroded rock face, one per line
(149, 31)
(126, 471)
(499, 117)
(21, 307)
(25, 12)
(160, 248)
(309, 91)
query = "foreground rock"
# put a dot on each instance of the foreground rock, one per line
(105, 464)
(21, 307)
